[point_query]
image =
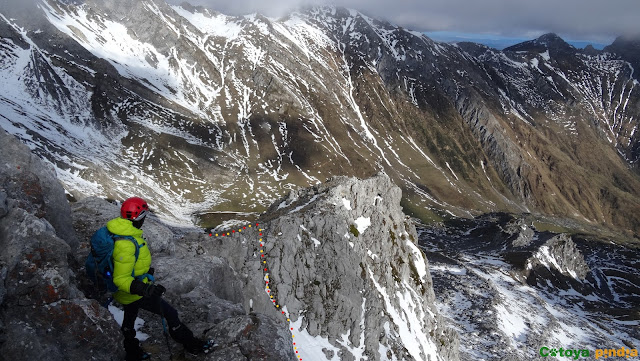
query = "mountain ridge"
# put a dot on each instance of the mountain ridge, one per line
(243, 103)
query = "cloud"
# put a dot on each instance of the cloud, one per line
(574, 19)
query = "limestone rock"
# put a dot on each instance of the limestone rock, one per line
(560, 254)
(33, 186)
(43, 314)
(343, 266)
(343, 259)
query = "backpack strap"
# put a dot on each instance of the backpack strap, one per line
(147, 276)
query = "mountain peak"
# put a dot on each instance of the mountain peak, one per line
(625, 43)
(590, 50)
(549, 41)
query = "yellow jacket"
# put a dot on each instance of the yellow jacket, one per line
(124, 259)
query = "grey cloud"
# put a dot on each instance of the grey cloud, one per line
(575, 19)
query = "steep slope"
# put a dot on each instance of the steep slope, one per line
(205, 112)
(564, 107)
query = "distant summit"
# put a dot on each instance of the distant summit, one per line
(550, 41)
(499, 42)
(590, 50)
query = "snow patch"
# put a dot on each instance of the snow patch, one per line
(313, 199)
(362, 224)
(346, 203)
(310, 347)
(410, 328)
(216, 25)
(316, 243)
(419, 261)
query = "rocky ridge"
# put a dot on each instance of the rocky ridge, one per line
(342, 267)
(359, 252)
(382, 309)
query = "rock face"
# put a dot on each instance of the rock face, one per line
(31, 184)
(45, 309)
(43, 315)
(342, 258)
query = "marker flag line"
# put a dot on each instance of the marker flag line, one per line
(267, 288)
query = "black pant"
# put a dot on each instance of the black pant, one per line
(178, 331)
(152, 304)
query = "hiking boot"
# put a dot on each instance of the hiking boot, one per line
(181, 333)
(134, 351)
(197, 346)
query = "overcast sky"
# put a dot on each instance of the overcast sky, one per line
(593, 20)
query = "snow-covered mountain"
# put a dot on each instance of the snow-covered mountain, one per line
(208, 115)
(512, 290)
(203, 113)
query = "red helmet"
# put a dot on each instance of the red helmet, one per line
(134, 209)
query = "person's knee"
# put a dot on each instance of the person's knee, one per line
(171, 314)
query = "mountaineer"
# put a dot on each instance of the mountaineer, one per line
(133, 276)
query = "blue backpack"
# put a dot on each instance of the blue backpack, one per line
(99, 263)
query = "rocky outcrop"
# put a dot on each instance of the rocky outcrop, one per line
(43, 315)
(555, 260)
(519, 233)
(541, 260)
(342, 258)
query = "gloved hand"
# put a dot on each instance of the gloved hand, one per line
(151, 270)
(146, 289)
(154, 291)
